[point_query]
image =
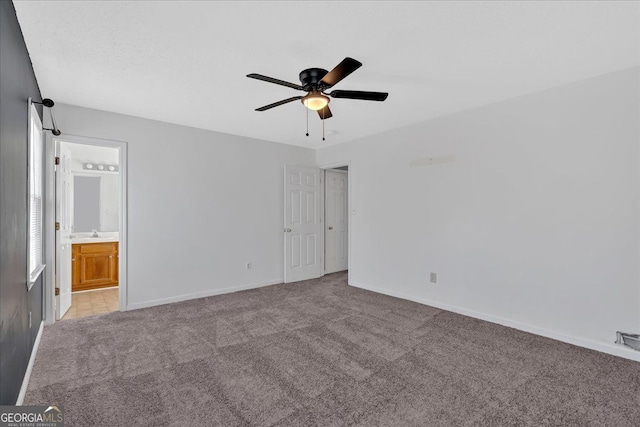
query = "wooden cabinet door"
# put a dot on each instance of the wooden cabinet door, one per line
(96, 268)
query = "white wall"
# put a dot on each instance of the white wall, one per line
(535, 222)
(201, 204)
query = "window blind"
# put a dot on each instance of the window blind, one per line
(35, 195)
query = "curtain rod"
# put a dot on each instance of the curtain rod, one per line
(47, 102)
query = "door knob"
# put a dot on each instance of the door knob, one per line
(330, 228)
(287, 230)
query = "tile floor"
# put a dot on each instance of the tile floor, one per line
(92, 302)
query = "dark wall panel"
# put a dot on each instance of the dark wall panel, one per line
(17, 84)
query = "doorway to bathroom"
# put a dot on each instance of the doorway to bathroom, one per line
(89, 235)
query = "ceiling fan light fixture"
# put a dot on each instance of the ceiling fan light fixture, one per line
(315, 101)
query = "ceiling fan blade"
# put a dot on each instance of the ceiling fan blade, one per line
(272, 80)
(277, 104)
(342, 70)
(325, 113)
(358, 94)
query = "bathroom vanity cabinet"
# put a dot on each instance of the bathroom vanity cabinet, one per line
(94, 265)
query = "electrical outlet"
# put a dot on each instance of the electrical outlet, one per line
(433, 277)
(248, 265)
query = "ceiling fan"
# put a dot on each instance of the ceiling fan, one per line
(315, 81)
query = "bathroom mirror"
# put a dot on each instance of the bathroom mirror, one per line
(86, 203)
(96, 202)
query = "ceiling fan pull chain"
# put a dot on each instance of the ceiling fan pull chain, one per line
(307, 121)
(323, 124)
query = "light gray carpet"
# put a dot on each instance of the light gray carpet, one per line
(321, 353)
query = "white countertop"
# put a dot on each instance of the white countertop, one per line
(93, 240)
(105, 236)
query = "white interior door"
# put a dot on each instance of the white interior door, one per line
(303, 231)
(64, 216)
(336, 223)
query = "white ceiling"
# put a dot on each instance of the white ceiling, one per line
(185, 62)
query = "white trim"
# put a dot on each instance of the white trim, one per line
(337, 164)
(204, 294)
(50, 218)
(36, 273)
(284, 222)
(350, 175)
(48, 289)
(27, 374)
(323, 257)
(323, 218)
(613, 349)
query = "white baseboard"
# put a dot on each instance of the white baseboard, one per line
(213, 292)
(614, 349)
(27, 374)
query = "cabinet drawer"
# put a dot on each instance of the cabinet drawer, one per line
(93, 248)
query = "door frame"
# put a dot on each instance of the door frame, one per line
(326, 182)
(350, 175)
(50, 218)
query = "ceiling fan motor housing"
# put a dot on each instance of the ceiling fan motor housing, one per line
(310, 78)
